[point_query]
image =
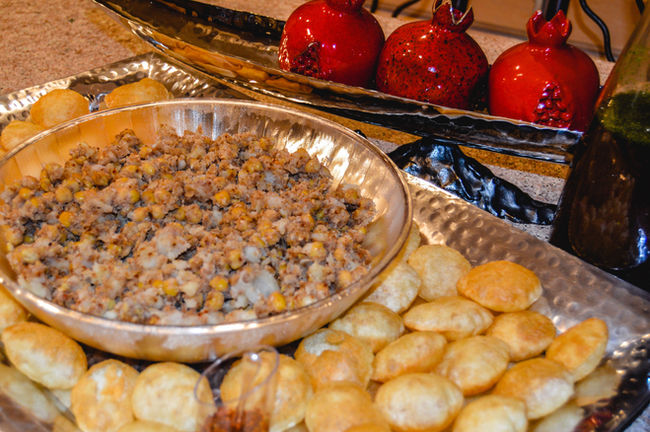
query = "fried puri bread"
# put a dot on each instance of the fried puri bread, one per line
(419, 402)
(419, 351)
(18, 131)
(44, 354)
(542, 384)
(333, 355)
(475, 363)
(58, 106)
(101, 400)
(340, 406)
(165, 393)
(11, 312)
(440, 267)
(143, 91)
(454, 317)
(564, 419)
(397, 288)
(492, 413)
(527, 333)
(373, 323)
(286, 391)
(21, 390)
(501, 286)
(580, 348)
(145, 426)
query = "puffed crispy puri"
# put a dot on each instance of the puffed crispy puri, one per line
(339, 406)
(58, 106)
(333, 355)
(475, 363)
(419, 351)
(397, 288)
(501, 286)
(373, 323)
(492, 413)
(542, 384)
(440, 267)
(564, 419)
(285, 389)
(101, 400)
(143, 91)
(165, 393)
(145, 426)
(454, 317)
(11, 312)
(581, 348)
(18, 131)
(44, 354)
(26, 394)
(419, 402)
(527, 333)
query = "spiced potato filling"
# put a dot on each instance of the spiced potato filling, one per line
(187, 230)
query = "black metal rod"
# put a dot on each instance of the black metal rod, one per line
(552, 7)
(640, 5)
(603, 28)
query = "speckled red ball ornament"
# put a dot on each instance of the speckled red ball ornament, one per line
(545, 80)
(336, 40)
(433, 61)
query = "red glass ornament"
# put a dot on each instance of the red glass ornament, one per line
(545, 80)
(336, 40)
(433, 61)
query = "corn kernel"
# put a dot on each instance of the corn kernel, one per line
(277, 301)
(35, 201)
(134, 196)
(139, 214)
(235, 259)
(148, 196)
(145, 152)
(157, 283)
(170, 287)
(316, 250)
(253, 165)
(45, 183)
(115, 250)
(265, 144)
(71, 183)
(214, 300)
(312, 166)
(25, 193)
(157, 211)
(63, 194)
(219, 283)
(80, 196)
(28, 255)
(148, 168)
(180, 214)
(161, 196)
(65, 218)
(339, 254)
(100, 178)
(344, 278)
(193, 214)
(221, 198)
(129, 170)
(27, 238)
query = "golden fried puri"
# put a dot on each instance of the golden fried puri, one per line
(475, 363)
(581, 348)
(542, 384)
(454, 317)
(564, 419)
(143, 91)
(527, 333)
(165, 393)
(282, 389)
(333, 355)
(21, 390)
(145, 426)
(501, 286)
(44, 354)
(492, 413)
(340, 406)
(419, 351)
(101, 400)
(11, 312)
(419, 402)
(373, 323)
(396, 288)
(18, 131)
(440, 267)
(58, 106)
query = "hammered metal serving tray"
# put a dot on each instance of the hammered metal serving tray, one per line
(574, 290)
(241, 48)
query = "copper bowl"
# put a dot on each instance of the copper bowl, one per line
(349, 157)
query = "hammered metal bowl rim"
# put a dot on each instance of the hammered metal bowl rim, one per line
(224, 327)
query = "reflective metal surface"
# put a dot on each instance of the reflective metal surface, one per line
(350, 159)
(241, 48)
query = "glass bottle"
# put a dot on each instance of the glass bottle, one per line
(604, 213)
